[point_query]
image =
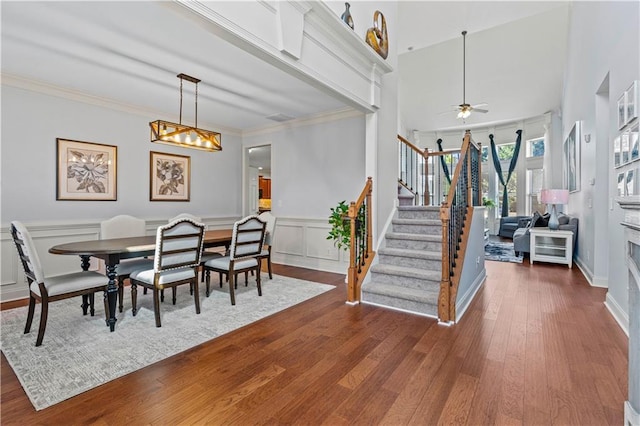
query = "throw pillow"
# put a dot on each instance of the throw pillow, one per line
(544, 220)
(534, 220)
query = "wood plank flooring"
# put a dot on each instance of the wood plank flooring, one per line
(536, 347)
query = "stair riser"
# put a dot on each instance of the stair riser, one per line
(418, 214)
(412, 262)
(417, 283)
(417, 229)
(407, 305)
(414, 244)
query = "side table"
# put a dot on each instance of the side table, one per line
(551, 246)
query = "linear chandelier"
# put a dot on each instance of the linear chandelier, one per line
(182, 135)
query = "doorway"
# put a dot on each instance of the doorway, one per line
(257, 172)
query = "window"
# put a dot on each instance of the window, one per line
(535, 148)
(534, 186)
(505, 152)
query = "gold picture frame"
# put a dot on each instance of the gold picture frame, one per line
(169, 177)
(86, 171)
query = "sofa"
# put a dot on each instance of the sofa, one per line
(522, 238)
(509, 224)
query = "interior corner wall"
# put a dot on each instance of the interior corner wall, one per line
(32, 121)
(603, 39)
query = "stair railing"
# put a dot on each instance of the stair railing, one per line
(455, 213)
(361, 250)
(415, 168)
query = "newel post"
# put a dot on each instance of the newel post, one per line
(351, 274)
(445, 283)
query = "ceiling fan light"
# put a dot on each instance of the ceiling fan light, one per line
(466, 113)
(460, 114)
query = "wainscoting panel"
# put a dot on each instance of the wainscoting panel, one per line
(303, 242)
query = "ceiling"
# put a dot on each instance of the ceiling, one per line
(131, 52)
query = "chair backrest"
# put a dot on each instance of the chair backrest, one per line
(271, 226)
(247, 238)
(178, 245)
(122, 226)
(27, 252)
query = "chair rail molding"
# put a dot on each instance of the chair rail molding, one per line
(331, 56)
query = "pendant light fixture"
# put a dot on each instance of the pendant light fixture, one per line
(179, 134)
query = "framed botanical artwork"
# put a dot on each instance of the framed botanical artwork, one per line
(631, 101)
(617, 152)
(571, 167)
(622, 111)
(86, 171)
(169, 177)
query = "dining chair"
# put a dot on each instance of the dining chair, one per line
(123, 226)
(268, 238)
(206, 254)
(49, 289)
(247, 240)
(176, 261)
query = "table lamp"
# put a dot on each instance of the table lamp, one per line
(553, 197)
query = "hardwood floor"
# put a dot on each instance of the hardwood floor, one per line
(537, 346)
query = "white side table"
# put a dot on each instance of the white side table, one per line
(551, 246)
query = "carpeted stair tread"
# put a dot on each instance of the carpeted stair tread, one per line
(420, 208)
(414, 237)
(417, 222)
(404, 271)
(416, 254)
(425, 296)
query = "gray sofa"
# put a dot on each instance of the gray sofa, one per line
(508, 225)
(522, 238)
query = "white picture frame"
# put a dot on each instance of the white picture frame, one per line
(630, 181)
(622, 111)
(624, 147)
(631, 102)
(571, 149)
(617, 152)
(634, 144)
(620, 186)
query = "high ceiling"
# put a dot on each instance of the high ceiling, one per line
(131, 52)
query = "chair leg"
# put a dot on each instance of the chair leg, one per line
(32, 308)
(161, 295)
(156, 306)
(220, 278)
(196, 295)
(120, 294)
(85, 304)
(208, 281)
(174, 291)
(258, 278)
(269, 266)
(246, 278)
(92, 300)
(43, 320)
(231, 288)
(134, 297)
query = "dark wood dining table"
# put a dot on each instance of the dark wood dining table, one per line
(115, 249)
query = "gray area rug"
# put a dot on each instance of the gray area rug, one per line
(501, 251)
(79, 353)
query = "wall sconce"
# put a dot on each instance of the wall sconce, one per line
(182, 135)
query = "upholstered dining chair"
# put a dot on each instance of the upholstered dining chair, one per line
(268, 238)
(123, 226)
(49, 289)
(206, 254)
(176, 261)
(247, 241)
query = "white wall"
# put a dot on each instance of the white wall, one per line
(31, 122)
(603, 41)
(313, 167)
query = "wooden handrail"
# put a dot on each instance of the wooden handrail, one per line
(410, 145)
(361, 252)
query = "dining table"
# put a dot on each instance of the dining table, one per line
(115, 249)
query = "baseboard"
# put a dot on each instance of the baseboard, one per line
(592, 279)
(463, 302)
(364, 302)
(618, 313)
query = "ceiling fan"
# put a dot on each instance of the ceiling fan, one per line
(464, 109)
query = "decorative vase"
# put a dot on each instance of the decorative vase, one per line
(346, 16)
(377, 36)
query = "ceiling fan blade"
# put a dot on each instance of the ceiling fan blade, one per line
(480, 105)
(451, 111)
(483, 111)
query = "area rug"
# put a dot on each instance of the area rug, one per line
(501, 251)
(79, 353)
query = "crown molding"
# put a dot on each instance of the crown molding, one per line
(324, 117)
(45, 88)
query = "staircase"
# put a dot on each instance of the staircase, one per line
(409, 271)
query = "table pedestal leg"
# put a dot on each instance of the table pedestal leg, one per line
(84, 264)
(111, 295)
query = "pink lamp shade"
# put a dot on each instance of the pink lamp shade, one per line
(554, 196)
